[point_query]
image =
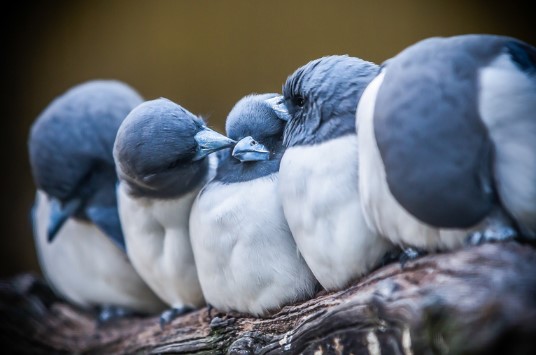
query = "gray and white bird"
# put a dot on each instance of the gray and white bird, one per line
(319, 170)
(246, 257)
(161, 156)
(447, 143)
(77, 231)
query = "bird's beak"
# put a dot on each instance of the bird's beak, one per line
(106, 218)
(278, 105)
(247, 149)
(59, 214)
(210, 141)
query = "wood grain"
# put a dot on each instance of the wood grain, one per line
(476, 300)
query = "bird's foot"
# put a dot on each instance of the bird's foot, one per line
(391, 256)
(108, 314)
(410, 254)
(491, 234)
(210, 308)
(170, 314)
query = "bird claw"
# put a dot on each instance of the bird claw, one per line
(209, 310)
(410, 254)
(108, 314)
(491, 235)
(390, 257)
(170, 314)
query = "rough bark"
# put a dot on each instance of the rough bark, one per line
(476, 300)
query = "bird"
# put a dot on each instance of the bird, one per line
(447, 143)
(319, 170)
(76, 225)
(246, 257)
(162, 156)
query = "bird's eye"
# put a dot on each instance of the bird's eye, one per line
(252, 143)
(299, 101)
(177, 162)
(173, 165)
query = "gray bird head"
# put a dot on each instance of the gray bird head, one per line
(256, 126)
(254, 123)
(321, 98)
(160, 149)
(70, 148)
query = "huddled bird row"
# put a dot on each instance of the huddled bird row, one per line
(432, 150)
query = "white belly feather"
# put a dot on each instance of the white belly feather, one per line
(158, 245)
(507, 104)
(319, 189)
(246, 257)
(84, 266)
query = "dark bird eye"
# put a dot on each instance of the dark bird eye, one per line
(173, 165)
(299, 101)
(177, 162)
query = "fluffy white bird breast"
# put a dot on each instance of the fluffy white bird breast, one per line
(158, 242)
(381, 210)
(158, 245)
(507, 105)
(84, 266)
(246, 257)
(321, 201)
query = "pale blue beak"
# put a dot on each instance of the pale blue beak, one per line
(210, 141)
(278, 105)
(247, 149)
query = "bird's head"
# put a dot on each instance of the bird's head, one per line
(256, 127)
(160, 149)
(320, 99)
(70, 147)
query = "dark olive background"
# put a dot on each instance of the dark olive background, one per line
(204, 55)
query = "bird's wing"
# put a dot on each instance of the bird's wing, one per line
(106, 218)
(434, 146)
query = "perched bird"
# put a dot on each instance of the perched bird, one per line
(161, 157)
(246, 257)
(77, 231)
(319, 169)
(447, 142)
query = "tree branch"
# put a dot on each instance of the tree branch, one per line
(476, 300)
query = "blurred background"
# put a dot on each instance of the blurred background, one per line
(204, 55)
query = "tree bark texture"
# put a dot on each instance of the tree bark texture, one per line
(478, 300)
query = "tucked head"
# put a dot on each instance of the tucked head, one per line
(321, 99)
(70, 148)
(445, 98)
(253, 123)
(75, 134)
(160, 149)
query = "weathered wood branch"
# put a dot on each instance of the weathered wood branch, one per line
(477, 300)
